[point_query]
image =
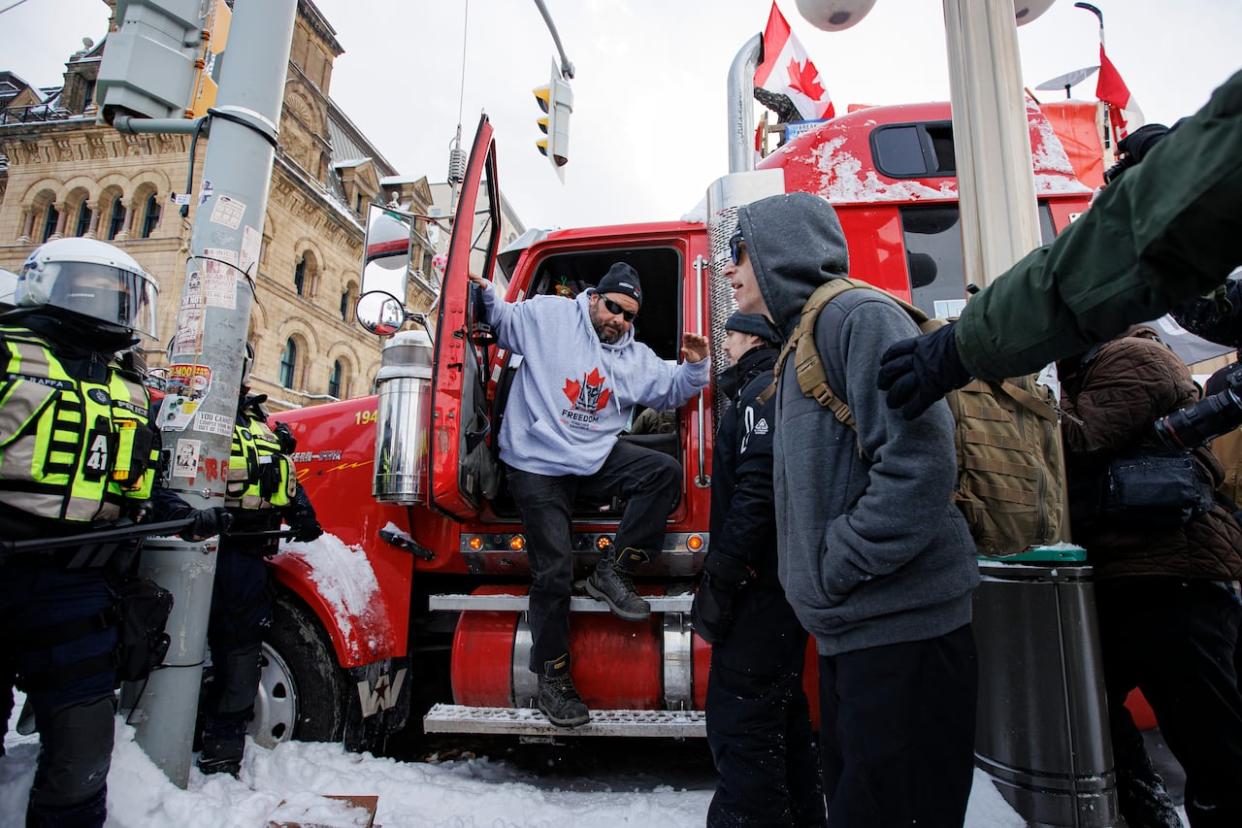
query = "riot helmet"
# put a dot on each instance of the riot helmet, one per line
(96, 282)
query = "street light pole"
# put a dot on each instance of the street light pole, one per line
(197, 416)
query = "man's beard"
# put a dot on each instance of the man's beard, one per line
(606, 334)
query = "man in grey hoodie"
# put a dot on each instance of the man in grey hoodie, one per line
(875, 559)
(581, 376)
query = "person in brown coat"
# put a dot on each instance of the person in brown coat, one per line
(1169, 612)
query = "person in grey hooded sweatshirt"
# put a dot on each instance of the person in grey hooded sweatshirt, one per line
(875, 559)
(581, 376)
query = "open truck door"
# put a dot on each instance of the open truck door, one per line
(461, 468)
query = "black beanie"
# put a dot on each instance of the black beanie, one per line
(754, 324)
(621, 278)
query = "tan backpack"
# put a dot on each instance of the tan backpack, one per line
(1010, 484)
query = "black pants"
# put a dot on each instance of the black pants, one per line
(897, 735)
(241, 610)
(758, 725)
(648, 480)
(69, 683)
(1176, 641)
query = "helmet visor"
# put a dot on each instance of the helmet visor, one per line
(111, 295)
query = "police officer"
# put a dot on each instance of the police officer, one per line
(78, 453)
(758, 726)
(261, 488)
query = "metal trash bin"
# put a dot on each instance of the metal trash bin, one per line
(1042, 727)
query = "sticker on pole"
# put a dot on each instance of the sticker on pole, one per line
(219, 284)
(251, 240)
(193, 290)
(185, 458)
(187, 385)
(228, 212)
(189, 336)
(205, 192)
(221, 253)
(213, 423)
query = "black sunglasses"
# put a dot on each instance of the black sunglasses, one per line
(614, 308)
(737, 246)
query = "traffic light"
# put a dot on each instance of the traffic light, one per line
(152, 61)
(556, 99)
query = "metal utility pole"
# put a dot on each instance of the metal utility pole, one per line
(991, 138)
(197, 416)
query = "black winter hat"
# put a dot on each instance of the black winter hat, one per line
(754, 324)
(1140, 142)
(621, 278)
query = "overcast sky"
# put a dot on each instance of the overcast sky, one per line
(648, 132)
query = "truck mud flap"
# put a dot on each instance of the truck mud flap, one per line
(380, 703)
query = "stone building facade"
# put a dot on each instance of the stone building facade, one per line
(61, 174)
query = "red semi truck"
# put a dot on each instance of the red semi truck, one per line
(415, 598)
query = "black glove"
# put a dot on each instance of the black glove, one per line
(919, 371)
(305, 526)
(285, 437)
(712, 612)
(207, 523)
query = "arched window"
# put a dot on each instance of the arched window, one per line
(84, 220)
(49, 221)
(336, 378)
(299, 276)
(150, 216)
(288, 363)
(118, 216)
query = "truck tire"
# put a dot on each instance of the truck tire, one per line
(303, 694)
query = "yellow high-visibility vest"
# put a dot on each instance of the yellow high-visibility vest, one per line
(70, 449)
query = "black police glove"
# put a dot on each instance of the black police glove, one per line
(207, 523)
(305, 527)
(919, 371)
(285, 437)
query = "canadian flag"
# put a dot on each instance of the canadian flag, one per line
(786, 70)
(1123, 110)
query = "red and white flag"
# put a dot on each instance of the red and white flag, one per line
(1123, 110)
(786, 70)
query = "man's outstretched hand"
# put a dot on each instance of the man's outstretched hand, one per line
(693, 347)
(919, 371)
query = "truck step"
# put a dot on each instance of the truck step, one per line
(578, 603)
(457, 718)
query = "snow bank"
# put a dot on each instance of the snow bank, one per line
(469, 793)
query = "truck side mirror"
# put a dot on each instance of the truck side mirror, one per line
(380, 313)
(386, 260)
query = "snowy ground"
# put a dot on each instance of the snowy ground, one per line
(461, 793)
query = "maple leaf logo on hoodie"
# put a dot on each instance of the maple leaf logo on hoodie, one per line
(589, 394)
(597, 395)
(572, 389)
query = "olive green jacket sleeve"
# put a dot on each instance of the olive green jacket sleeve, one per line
(1168, 229)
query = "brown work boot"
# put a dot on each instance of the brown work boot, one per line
(558, 699)
(612, 583)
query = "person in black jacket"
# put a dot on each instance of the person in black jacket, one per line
(758, 726)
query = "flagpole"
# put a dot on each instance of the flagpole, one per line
(1108, 117)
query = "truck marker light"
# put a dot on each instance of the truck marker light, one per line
(517, 543)
(694, 543)
(475, 542)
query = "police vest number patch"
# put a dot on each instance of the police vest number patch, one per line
(97, 458)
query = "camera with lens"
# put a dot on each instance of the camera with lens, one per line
(1212, 416)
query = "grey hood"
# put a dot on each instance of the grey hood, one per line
(795, 244)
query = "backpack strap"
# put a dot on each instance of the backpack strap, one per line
(809, 368)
